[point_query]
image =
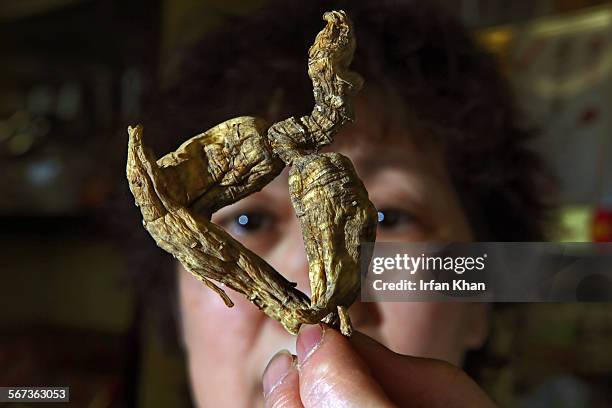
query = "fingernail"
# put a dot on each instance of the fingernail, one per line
(309, 338)
(276, 370)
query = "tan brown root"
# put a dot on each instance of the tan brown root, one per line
(333, 88)
(336, 216)
(178, 193)
(204, 248)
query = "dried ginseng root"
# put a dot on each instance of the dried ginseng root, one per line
(336, 216)
(178, 193)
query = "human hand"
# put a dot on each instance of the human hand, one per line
(331, 370)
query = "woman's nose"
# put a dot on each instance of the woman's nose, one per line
(289, 257)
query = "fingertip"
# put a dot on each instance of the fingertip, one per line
(309, 339)
(281, 381)
(278, 367)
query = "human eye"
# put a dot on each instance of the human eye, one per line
(396, 221)
(257, 228)
(248, 222)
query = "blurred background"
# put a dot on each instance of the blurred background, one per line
(76, 72)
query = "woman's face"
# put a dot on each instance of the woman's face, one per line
(228, 348)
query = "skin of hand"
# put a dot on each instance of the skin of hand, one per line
(331, 370)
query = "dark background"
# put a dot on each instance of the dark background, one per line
(75, 73)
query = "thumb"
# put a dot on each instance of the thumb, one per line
(332, 373)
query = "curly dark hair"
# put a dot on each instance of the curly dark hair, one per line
(452, 90)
